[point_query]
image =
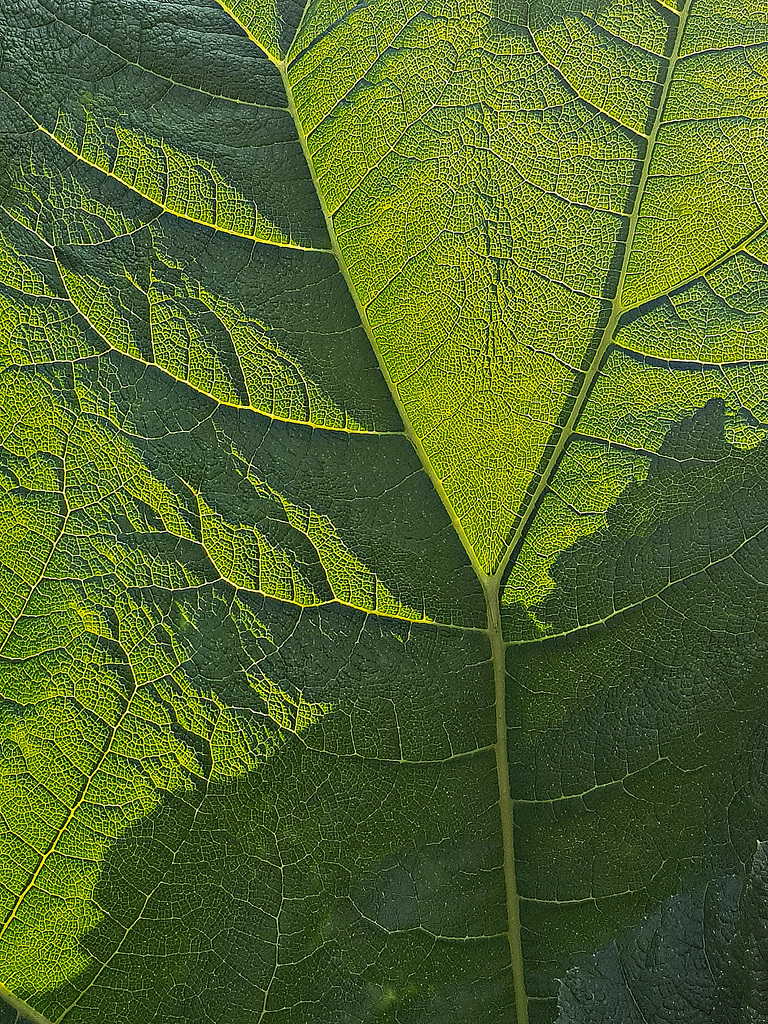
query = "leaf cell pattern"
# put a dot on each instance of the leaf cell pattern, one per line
(383, 446)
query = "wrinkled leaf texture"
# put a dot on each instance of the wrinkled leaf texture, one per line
(383, 412)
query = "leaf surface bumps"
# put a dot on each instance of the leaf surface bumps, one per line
(382, 459)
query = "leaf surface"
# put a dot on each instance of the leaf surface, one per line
(383, 457)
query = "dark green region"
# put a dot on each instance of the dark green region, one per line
(107, 245)
(198, 46)
(661, 674)
(702, 957)
(328, 880)
(97, 74)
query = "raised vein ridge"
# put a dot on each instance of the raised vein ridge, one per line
(617, 310)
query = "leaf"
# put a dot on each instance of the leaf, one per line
(701, 948)
(382, 457)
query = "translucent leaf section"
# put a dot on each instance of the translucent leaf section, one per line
(706, 192)
(478, 165)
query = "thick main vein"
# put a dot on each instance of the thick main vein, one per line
(490, 586)
(491, 589)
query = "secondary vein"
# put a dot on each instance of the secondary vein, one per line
(617, 310)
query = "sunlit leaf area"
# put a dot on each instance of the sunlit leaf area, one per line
(383, 511)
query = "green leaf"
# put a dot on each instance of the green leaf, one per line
(383, 450)
(685, 963)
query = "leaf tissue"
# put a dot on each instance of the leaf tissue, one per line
(383, 511)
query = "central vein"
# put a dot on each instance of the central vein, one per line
(491, 591)
(491, 584)
(498, 651)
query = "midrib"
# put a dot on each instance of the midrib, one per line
(492, 591)
(491, 582)
(24, 1010)
(490, 585)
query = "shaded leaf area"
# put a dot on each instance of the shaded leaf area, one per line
(173, 610)
(702, 956)
(171, 100)
(87, 265)
(10, 1016)
(324, 886)
(659, 669)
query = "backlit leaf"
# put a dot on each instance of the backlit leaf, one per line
(383, 458)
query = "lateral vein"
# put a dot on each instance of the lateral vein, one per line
(617, 310)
